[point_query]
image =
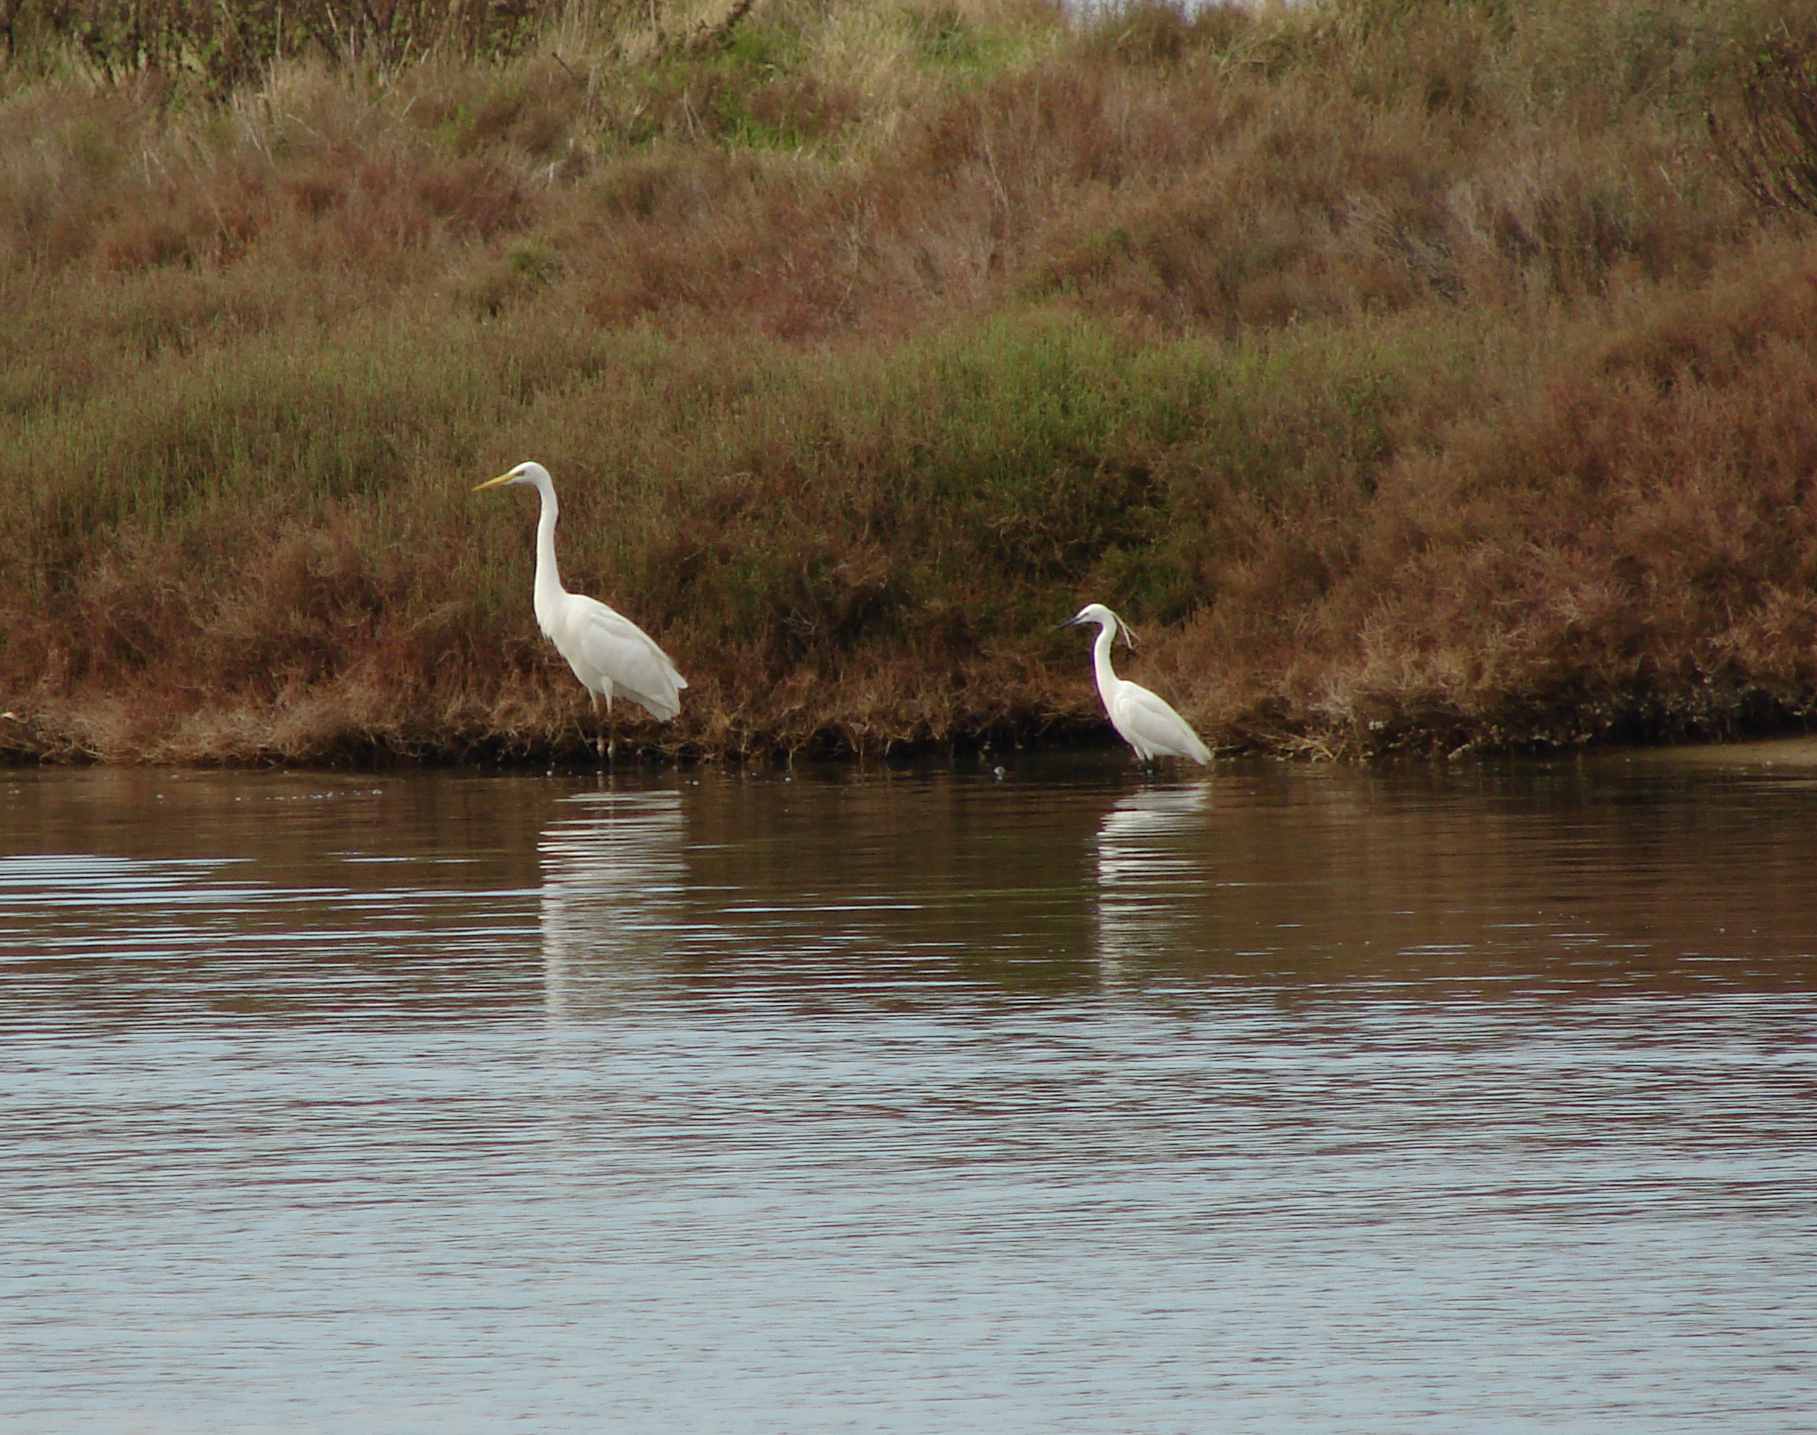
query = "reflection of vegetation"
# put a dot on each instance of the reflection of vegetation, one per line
(1771, 143)
(1409, 374)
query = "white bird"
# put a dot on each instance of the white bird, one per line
(1144, 721)
(608, 652)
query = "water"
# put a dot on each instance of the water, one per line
(1300, 1098)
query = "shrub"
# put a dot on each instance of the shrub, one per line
(1769, 143)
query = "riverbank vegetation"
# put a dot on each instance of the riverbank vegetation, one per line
(1411, 375)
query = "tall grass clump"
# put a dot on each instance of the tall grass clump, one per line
(1416, 376)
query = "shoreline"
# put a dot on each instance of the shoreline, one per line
(1785, 739)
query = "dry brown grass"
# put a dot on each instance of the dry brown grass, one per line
(1412, 375)
(1622, 545)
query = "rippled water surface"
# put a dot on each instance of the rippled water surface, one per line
(1474, 1098)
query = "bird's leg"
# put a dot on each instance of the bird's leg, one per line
(601, 742)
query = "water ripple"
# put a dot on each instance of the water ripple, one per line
(1285, 1100)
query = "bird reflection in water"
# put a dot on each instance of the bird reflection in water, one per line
(613, 893)
(1151, 871)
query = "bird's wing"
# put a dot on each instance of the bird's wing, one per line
(614, 647)
(1149, 720)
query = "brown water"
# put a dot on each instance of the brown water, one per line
(1298, 1098)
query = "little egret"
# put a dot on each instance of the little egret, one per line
(608, 652)
(1141, 719)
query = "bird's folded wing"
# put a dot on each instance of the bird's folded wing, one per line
(1152, 719)
(611, 644)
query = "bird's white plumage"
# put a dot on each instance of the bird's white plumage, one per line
(1143, 719)
(610, 654)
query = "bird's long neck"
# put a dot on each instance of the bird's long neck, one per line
(548, 577)
(1100, 658)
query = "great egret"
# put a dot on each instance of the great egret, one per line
(1143, 720)
(608, 652)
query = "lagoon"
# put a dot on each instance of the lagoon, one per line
(921, 1099)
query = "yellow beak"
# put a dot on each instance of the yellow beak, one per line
(494, 482)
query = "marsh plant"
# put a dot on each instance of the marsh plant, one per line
(1411, 375)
